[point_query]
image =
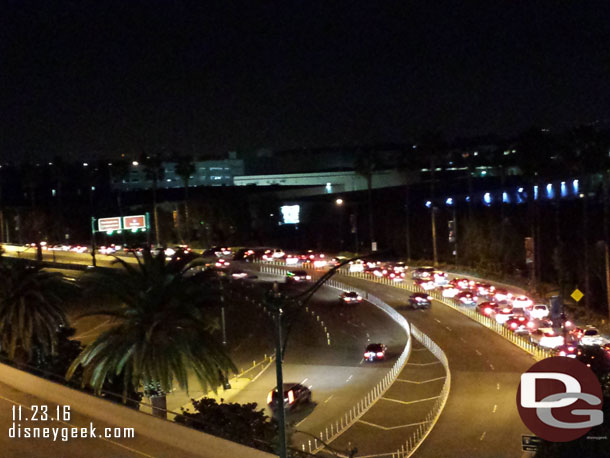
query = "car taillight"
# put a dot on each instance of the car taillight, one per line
(486, 310)
(568, 323)
(530, 324)
(270, 397)
(379, 354)
(513, 325)
(359, 298)
(308, 277)
(290, 397)
(562, 353)
(367, 354)
(429, 298)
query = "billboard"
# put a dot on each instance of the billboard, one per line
(109, 224)
(134, 222)
(290, 214)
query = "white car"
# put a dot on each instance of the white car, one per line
(440, 278)
(591, 336)
(450, 291)
(546, 337)
(538, 312)
(522, 302)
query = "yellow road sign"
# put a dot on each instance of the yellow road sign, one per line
(577, 295)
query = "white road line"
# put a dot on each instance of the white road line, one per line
(463, 340)
(497, 386)
(361, 361)
(448, 328)
(303, 382)
(495, 408)
(419, 383)
(437, 320)
(478, 352)
(491, 366)
(328, 398)
(349, 378)
(410, 402)
(299, 423)
(483, 435)
(388, 428)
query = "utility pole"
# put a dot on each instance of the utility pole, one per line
(93, 248)
(275, 303)
(407, 224)
(433, 216)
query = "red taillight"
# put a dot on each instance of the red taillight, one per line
(379, 354)
(487, 310)
(513, 325)
(562, 353)
(290, 397)
(270, 397)
(530, 324)
(568, 323)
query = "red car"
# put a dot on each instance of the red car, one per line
(487, 308)
(519, 324)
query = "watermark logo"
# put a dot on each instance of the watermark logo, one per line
(560, 399)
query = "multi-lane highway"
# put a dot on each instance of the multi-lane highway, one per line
(480, 418)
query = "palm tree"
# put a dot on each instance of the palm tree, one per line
(364, 165)
(154, 170)
(162, 330)
(30, 309)
(185, 168)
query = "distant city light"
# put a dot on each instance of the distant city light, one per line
(483, 173)
(339, 201)
(550, 193)
(85, 164)
(520, 190)
(467, 198)
(505, 198)
(564, 189)
(329, 187)
(449, 201)
(487, 198)
(93, 188)
(135, 163)
(428, 204)
(575, 186)
(536, 192)
(53, 192)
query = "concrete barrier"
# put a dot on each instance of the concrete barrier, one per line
(166, 432)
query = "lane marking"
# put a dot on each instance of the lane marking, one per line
(497, 386)
(462, 339)
(495, 408)
(478, 352)
(492, 367)
(483, 436)
(437, 320)
(410, 402)
(299, 423)
(389, 428)
(419, 383)
(349, 378)
(448, 328)
(423, 364)
(328, 398)
(73, 425)
(361, 361)
(303, 382)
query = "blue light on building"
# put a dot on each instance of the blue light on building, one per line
(487, 198)
(467, 198)
(428, 204)
(536, 192)
(550, 193)
(520, 190)
(505, 198)
(575, 188)
(449, 201)
(564, 189)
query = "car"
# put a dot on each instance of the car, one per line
(503, 314)
(449, 291)
(546, 337)
(440, 278)
(487, 308)
(591, 336)
(423, 273)
(519, 324)
(424, 284)
(522, 302)
(375, 352)
(568, 350)
(501, 295)
(222, 263)
(538, 311)
(466, 298)
(297, 276)
(354, 266)
(462, 283)
(239, 274)
(350, 297)
(420, 300)
(294, 394)
(396, 276)
(485, 289)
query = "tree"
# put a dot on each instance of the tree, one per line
(185, 168)
(365, 165)
(154, 170)
(162, 329)
(30, 309)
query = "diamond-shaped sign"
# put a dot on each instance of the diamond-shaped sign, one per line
(577, 295)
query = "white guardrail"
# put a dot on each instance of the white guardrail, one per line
(333, 430)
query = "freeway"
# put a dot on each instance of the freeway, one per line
(480, 418)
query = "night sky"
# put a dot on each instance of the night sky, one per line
(79, 78)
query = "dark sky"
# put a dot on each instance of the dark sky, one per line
(78, 77)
